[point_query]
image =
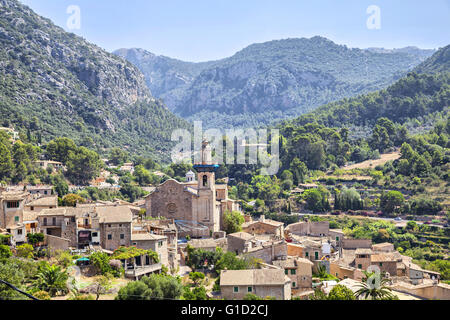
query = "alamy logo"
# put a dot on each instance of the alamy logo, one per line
(231, 146)
(74, 20)
(374, 20)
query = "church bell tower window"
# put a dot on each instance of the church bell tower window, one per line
(205, 181)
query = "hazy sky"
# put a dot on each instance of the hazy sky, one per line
(201, 30)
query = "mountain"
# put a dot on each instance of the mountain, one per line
(422, 94)
(439, 62)
(55, 83)
(273, 80)
(167, 78)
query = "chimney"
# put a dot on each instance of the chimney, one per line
(262, 218)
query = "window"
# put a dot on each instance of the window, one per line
(160, 243)
(337, 238)
(205, 181)
(235, 289)
(294, 285)
(316, 255)
(72, 219)
(292, 271)
(54, 221)
(359, 266)
(381, 264)
(109, 236)
(12, 204)
(32, 208)
(45, 221)
(19, 231)
(122, 236)
(337, 274)
(16, 219)
(120, 225)
(94, 234)
(249, 289)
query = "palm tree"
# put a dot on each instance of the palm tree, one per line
(51, 278)
(375, 292)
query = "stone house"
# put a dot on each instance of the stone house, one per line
(363, 258)
(40, 204)
(115, 226)
(314, 229)
(264, 227)
(40, 190)
(383, 247)
(61, 222)
(44, 164)
(299, 270)
(353, 244)
(153, 242)
(236, 284)
(269, 251)
(240, 242)
(386, 261)
(12, 204)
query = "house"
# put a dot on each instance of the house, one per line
(314, 229)
(268, 251)
(208, 244)
(236, 284)
(240, 242)
(383, 247)
(386, 261)
(129, 167)
(12, 204)
(40, 190)
(44, 164)
(363, 258)
(264, 226)
(115, 226)
(42, 203)
(13, 135)
(108, 226)
(299, 270)
(153, 242)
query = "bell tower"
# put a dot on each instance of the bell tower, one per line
(207, 212)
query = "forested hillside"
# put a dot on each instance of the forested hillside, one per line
(54, 83)
(418, 95)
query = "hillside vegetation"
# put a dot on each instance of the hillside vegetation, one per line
(55, 84)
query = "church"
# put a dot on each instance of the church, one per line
(197, 204)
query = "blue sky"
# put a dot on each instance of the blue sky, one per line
(201, 30)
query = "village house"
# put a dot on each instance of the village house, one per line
(44, 164)
(299, 270)
(208, 244)
(240, 242)
(268, 251)
(40, 204)
(264, 227)
(236, 284)
(153, 242)
(314, 229)
(40, 189)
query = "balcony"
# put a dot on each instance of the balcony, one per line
(138, 271)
